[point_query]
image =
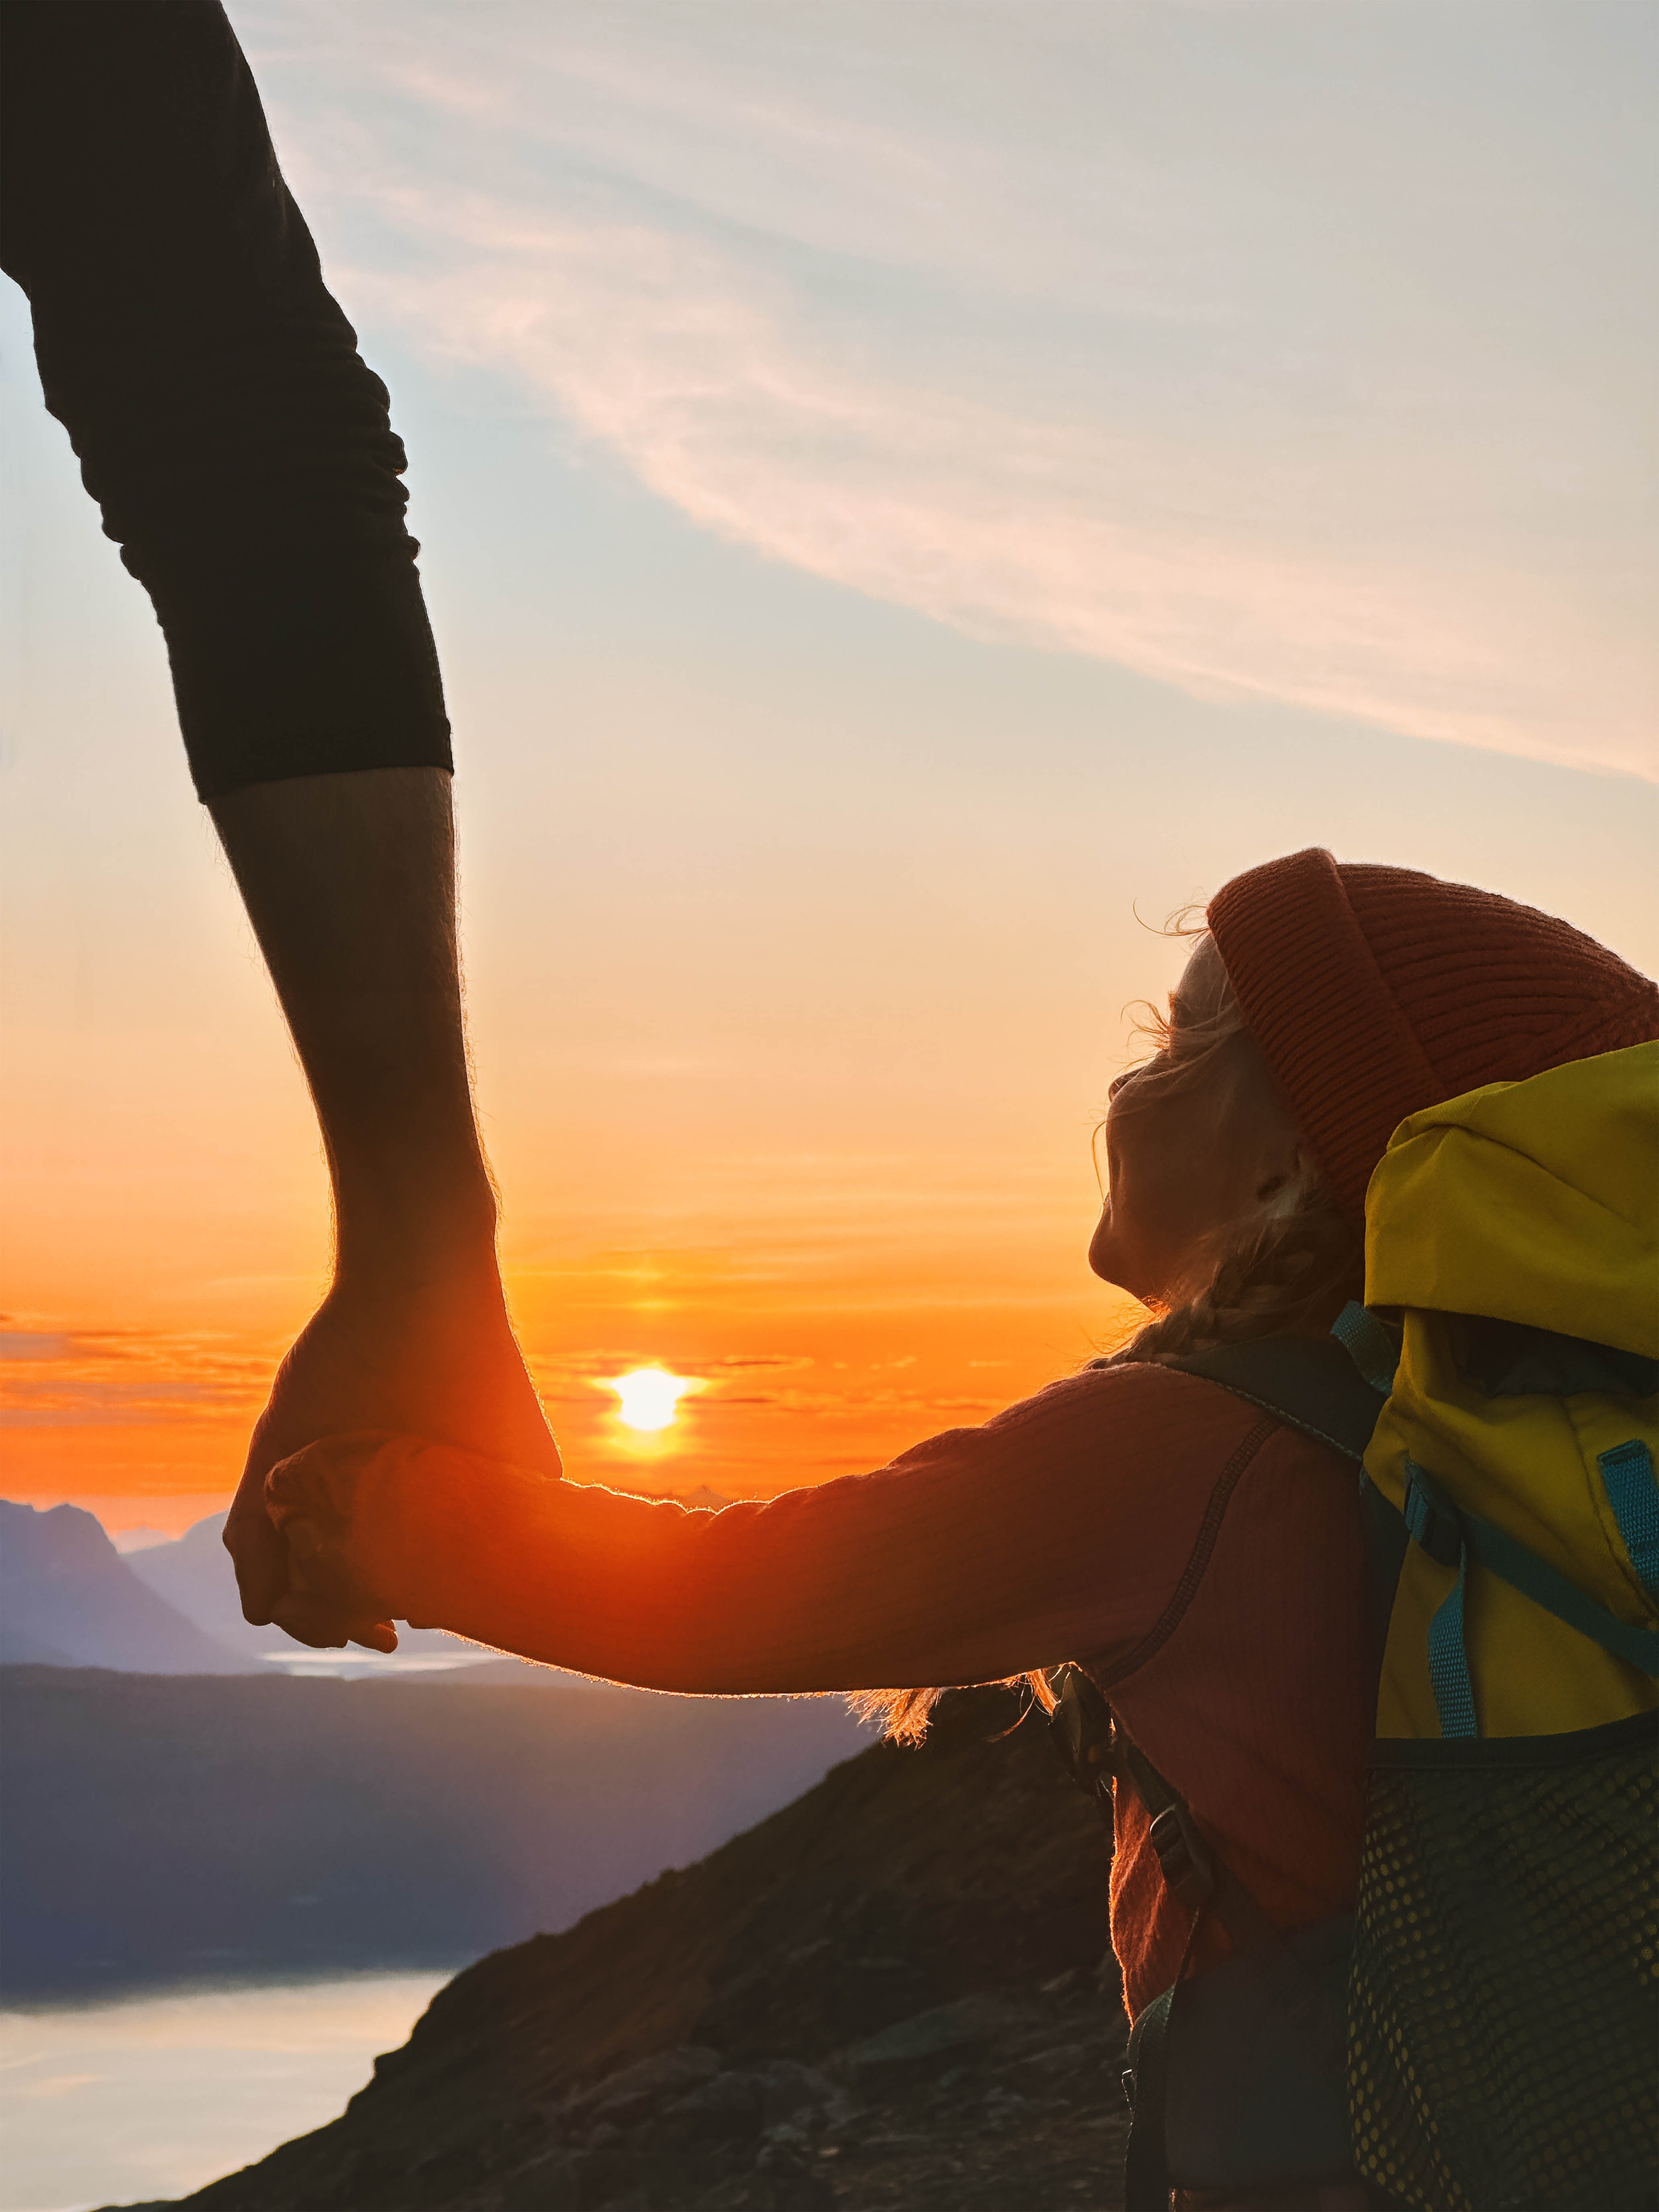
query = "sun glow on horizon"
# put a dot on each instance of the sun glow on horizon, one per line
(649, 1396)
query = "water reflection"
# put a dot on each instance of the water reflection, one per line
(351, 1665)
(153, 2096)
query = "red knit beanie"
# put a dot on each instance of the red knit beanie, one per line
(1375, 992)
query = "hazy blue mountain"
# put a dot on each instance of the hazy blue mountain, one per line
(193, 1574)
(69, 1599)
(159, 1830)
(137, 1538)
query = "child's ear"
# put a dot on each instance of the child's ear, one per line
(1287, 1173)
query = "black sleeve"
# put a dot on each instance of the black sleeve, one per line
(240, 451)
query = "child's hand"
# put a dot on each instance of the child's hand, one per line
(311, 1501)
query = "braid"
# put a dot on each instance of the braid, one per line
(1294, 1271)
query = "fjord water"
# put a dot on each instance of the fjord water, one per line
(156, 2095)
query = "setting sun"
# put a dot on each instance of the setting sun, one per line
(650, 1396)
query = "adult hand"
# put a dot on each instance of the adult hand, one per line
(426, 1351)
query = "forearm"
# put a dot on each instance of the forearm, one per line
(243, 457)
(349, 882)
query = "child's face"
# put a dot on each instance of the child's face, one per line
(1193, 1151)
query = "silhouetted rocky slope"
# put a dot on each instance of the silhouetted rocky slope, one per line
(884, 1996)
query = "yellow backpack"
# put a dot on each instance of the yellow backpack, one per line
(1503, 1994)
(1484, 2031)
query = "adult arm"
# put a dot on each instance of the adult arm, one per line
(243, 457)
(349, 882)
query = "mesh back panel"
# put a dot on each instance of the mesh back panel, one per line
(1503, 2010)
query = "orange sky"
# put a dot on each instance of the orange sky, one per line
(837, 1305)
(793, 1096)
(888, 543)
(815, 1361)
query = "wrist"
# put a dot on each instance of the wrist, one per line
(415, 1221)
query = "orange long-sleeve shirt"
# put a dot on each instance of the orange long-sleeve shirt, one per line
(1202, 1559)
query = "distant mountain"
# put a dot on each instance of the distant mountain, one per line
(69, 1599)
(137, 1538)
(884, 1998)
(193, 1573)
(156, 1830)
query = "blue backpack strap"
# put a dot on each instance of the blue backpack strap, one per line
(1333, 1390)
(1373, 1347)
(1454, 1535)
(1627, 1472)
(1437, 1526)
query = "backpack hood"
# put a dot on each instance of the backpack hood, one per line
(1535, 1202)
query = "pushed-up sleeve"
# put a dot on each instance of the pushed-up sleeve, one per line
(1059, 1530)
(241, 450)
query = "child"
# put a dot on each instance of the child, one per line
(1202, 1559)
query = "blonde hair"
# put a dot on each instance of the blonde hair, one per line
(1291, 1269)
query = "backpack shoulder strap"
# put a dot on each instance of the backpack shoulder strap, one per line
(1309, 1383)
(1333, 1388)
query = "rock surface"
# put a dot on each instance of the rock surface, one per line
(889, 1996)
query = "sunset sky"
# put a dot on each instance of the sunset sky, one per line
(910, 496)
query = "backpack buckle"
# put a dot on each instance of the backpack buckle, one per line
(1188, 1870)
(1081, 1727)
(1435, 1524)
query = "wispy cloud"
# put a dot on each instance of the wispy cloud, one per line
(1130, 336)
(33, 1344)
(76, 1378)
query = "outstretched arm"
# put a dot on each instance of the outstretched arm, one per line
(1052, 1530)
(349, 882)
